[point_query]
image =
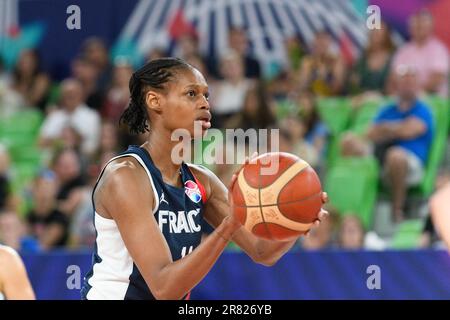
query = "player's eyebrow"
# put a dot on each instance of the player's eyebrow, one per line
(196, 86)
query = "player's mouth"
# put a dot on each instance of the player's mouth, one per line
(205, 119)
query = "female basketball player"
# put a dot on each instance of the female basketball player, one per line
(148, 210)
(14, 283)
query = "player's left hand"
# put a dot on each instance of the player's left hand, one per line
(323, 214)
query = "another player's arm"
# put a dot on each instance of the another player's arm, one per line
(440, 213)
(124, 195)
(14, 282)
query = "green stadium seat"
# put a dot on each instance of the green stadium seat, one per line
(285, 108)
(335, 113)
(407, 234)
(55, 92)
(23, 173)
(359, 123)
(365, 115)
(352, 185)
(25, 122)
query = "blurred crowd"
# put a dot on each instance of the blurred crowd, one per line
(80, 130)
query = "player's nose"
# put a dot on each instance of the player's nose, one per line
(204, 104)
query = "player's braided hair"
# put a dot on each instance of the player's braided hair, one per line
(154, 74)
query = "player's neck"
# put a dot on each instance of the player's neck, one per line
(160, 146)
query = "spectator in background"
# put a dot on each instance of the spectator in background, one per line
(69, 178)
(109, 143)
(238, 43)
(188, 45)
(426, 53)
(118, 94)
(156, 53)
(371, 72)
(281, 88)
(47, 224)
(4, 76)
(321, 237)
(227, 98)
(353, 236)
(322, 71)
(10, 101)
(285, 81)
(82, 230)
(13, 232)
(87, 74)
(351, 233)
(30, 81)
(296, 49)
(256, 112)
(94, 50)
(73, 111)
(402, 133)
(6, 197)
(429, 237)
(71, 138)
(316, 133)
(292, 140)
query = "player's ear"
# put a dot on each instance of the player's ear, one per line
(153, 100)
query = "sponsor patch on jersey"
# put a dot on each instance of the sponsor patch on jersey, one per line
(192, 191)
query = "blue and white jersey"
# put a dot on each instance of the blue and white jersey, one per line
(179, 214)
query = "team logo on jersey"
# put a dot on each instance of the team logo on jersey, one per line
(192, 191)
(162, 199)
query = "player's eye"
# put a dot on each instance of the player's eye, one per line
(207, 96)
(191, 93)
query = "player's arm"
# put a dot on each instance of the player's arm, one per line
(440, 213)
(218, 208)
(14, 282)
(124, 195)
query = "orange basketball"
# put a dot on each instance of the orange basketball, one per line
(277, 197)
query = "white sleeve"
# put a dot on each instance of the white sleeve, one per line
(92, 139)
(53, 123)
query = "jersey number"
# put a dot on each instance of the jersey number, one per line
(183, 251)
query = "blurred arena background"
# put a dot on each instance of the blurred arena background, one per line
(311, 68)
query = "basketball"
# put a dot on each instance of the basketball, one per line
(277, 196)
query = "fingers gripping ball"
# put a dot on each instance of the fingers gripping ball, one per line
(277, 196)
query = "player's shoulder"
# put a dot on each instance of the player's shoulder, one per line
(203, 174)
(123, 168)
(198, 169)
(7, 252)
(120, 173)
(8, 257)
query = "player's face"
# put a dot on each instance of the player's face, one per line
(187, 103)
